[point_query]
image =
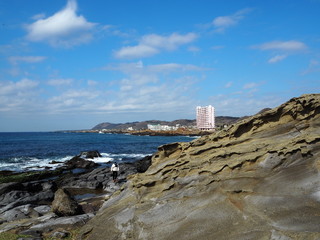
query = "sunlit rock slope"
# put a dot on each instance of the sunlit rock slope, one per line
(259, 179)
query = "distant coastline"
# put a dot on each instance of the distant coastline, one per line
(186, 127)
(146, 132)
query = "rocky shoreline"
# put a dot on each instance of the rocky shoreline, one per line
(52, 203)
(257, 179)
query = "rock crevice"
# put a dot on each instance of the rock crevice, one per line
(258, 179)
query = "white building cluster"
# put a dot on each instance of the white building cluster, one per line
(158, 127)
(205, 118)
(205, 121)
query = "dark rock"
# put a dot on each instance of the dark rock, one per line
(13, 196)
(39, 197)
(60, 234)
(34, 235)
(64, 222)
(43, 209)
(49, 186)
(6, 173)
(78, 162)
(32, 186)
(64, 205)
(13, 214)
(7, 187)
(90, 154)
(30, 238)
(143, 164)
(21, 212)
(55, 162)
(92, 206)
(17, 198)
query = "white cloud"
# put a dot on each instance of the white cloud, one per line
(314, 66)
(250, 85)
(139, 67)
(218, 47)
(282, 49)
(243, 104)
(136, 51)
(92, 83)
(73, 101)
(221, 23)
(193, 49)
(282, 46)
(152, 88)
(277, 58)
(168, 42)
(24, 85)
(64, 28)
(39, 16)
(60, 82)
(152, 44)
(17, 95)
(26, 59)
(169, 67)
(228, 85)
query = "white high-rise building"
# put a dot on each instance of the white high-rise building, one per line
(205, 118)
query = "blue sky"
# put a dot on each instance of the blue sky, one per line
(71, 64)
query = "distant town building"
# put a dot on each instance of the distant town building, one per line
(205, 118)
(158, 127)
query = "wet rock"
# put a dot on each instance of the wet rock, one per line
(43, 209)
(30, 238)
(64, 205)
(98, 178)
(32, 235)
(7, 187)
(78, 162)
(54, 223)
(90, 154)
(13, 214)
(48, 185)
(112, 187)
(13, 196)
(60, 234)
(143, 164)
(17, 198)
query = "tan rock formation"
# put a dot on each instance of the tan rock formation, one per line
(64, 205)
(258, 179)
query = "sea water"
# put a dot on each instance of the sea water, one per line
(38, 150)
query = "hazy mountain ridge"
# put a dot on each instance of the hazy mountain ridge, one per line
(220, 121)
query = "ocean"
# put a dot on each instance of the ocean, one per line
(36, 150)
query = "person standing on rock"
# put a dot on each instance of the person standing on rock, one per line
(115, 170)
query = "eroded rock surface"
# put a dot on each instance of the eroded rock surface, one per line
(64, 205)
(258, 179)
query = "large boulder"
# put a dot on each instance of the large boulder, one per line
(257, 179)
(90, 154)
(64, 205)
(79, 162)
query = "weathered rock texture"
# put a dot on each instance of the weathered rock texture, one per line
(259, 179)
(64, 205)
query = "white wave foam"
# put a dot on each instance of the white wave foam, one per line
(28, 163)
(23, 163)
(104, 159)
(109, 157)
